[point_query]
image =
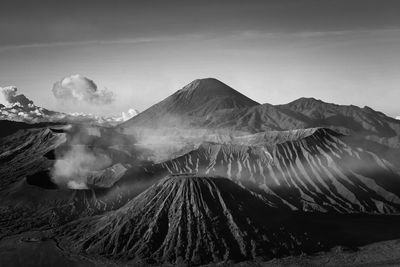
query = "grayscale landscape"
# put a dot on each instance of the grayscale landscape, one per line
(208, 134)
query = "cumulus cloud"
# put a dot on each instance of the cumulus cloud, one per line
(398, 118)
(77, 88)
(9, 97)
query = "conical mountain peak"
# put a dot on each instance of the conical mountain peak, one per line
(189, 219)
(197, 99)
(208, 85)
(211, 87)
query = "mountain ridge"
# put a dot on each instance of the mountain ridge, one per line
(235, 112)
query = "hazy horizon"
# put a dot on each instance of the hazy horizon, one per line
(344, 52)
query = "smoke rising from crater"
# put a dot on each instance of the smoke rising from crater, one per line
(93, 156)
(77, 158)
(72, 168)
(78, 88)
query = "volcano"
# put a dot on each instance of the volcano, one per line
(196, 100)
(189, 219)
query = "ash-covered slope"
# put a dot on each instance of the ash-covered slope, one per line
(196, 100)
(318, 171)
(188, 219)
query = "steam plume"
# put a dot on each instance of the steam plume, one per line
(92, 156)
(73, 167)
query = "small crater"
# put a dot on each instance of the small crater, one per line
(51, 155)
(41, 179)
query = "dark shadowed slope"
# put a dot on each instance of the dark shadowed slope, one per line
(197, 99)
(27, 187)
(188, 219)
(21, 154)
(9, 127)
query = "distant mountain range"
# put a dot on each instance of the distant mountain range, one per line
(211, 104)
(20, 108)
(207, 106)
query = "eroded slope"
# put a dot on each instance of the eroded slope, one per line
(188, 219)
(317, 172)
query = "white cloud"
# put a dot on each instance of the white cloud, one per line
(77, 88)
(107, 119)
(9, 97)
(16, 106)
(129, 114)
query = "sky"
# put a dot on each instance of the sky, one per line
(273, 51)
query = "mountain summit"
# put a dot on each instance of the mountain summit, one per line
(215, 88)
(203, 96)
(197, 99)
